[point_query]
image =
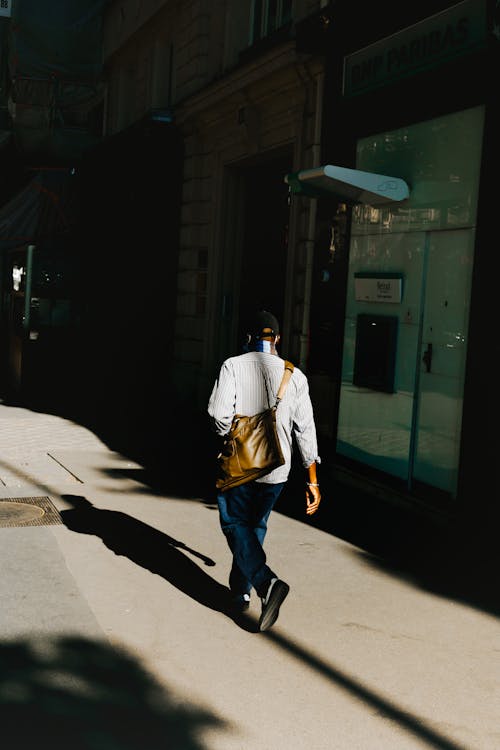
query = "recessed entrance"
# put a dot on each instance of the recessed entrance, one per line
(265, 240)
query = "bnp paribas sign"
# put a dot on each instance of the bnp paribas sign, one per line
(453, 32)
(6, 8)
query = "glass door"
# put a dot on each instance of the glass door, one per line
(441, 374)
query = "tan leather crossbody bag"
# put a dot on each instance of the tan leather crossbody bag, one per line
(251, 448)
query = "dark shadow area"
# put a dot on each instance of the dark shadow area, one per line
(100, 344)
(63, 693)
(177, 456)
(183, 467)
(129, 242)
(458, 559)
(174, 445)
(153, 550)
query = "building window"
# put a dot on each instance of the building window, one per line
(268, 16)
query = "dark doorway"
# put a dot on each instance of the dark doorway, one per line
(265, 241)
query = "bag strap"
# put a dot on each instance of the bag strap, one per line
(289, 368)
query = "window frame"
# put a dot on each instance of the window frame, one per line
(263, 8)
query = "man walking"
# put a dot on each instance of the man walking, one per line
(248, 384)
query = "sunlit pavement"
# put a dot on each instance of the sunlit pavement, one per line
(113, 634)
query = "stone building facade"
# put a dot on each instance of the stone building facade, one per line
(248, 106)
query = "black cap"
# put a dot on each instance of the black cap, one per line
(264, 324)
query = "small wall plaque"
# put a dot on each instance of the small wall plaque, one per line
(6, 8)
(378, 287)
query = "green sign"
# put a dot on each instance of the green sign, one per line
(453, 32)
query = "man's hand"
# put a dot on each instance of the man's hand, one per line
(313, 499)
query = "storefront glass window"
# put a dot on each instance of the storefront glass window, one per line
(414, 432)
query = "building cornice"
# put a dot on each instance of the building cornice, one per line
(238, 79)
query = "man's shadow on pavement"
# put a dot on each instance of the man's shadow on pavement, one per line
(152, 550)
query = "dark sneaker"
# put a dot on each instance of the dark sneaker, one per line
(271, 603)
(240, 602)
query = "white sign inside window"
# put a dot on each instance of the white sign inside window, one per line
(6, 8)
(378, 290)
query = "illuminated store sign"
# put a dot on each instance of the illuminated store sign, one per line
(438, 39)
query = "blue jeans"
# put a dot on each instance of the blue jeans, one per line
(243, 514)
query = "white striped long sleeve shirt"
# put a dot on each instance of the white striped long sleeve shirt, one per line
(248, 384)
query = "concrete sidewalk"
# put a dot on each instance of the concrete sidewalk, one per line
(111, 635)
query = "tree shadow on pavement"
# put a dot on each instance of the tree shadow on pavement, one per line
(72, 692)
(151, 549)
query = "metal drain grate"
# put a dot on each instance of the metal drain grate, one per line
(28, 511)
